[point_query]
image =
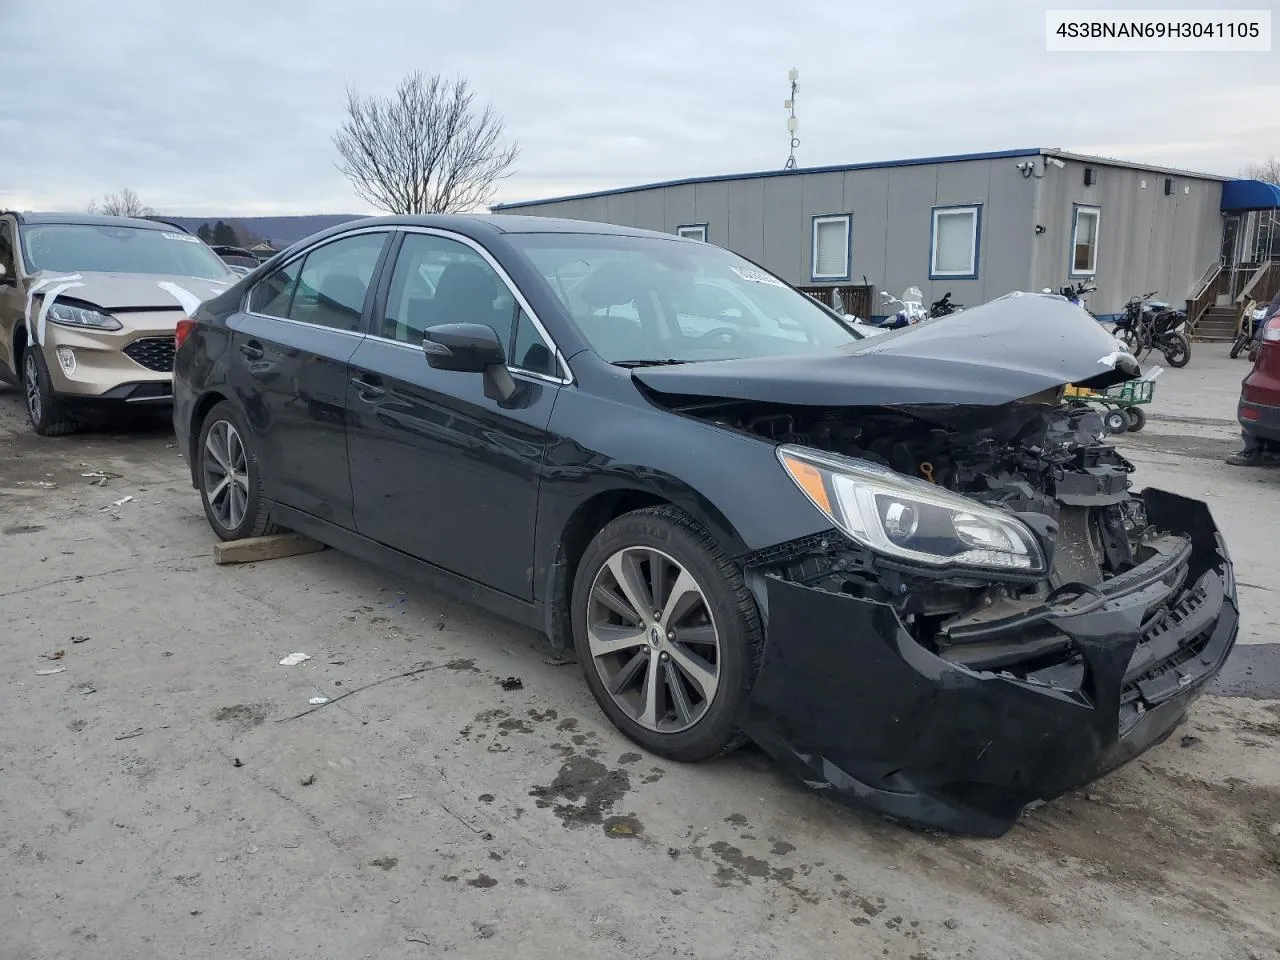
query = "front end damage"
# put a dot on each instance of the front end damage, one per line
(955, 698)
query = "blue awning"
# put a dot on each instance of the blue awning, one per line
(1240, 195)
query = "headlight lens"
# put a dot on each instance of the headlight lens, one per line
(909, 519)
(70, 316)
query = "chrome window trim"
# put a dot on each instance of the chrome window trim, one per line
(561, 362)
(358, 334)
(244, 300)
(516, 371)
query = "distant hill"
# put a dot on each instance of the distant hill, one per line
(277, 231)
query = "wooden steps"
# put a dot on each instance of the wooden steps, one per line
(1218, 325)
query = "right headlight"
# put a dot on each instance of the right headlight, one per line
(69, 316)
(910, 519)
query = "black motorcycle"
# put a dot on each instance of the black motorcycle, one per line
(944, 307)
(1151, 325)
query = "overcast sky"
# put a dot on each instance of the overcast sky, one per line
(228, 106)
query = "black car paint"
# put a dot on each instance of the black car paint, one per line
(493, 502)
(1014, 347)
(966, 750)
(418, 422)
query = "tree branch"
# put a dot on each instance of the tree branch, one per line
(426, 149)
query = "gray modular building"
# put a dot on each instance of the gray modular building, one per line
(978, 225)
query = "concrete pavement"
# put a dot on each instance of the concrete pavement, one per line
(157, 801)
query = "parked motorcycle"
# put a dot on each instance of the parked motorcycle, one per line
(1075, 293)
(911, 308)
(1149, 324)
(1249, 329)
(944, 307)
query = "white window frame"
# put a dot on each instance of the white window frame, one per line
(974, 211)
(842, 218)
(1096, 213)
(692, 231)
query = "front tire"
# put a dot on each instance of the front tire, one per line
(230, 477)
(1241, 341)
(1117, 421)
(667, 633)
(47, 414)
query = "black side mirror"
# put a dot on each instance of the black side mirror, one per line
(471, 348)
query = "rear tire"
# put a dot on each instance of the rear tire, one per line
(672, 679)
(47, 414)
(1117, 421)
(229, 476)
(1137, 419)
(1177, 351)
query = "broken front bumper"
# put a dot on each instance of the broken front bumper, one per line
(853, 703)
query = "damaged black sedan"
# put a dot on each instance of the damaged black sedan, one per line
(901, 565)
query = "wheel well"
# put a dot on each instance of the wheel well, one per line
(198, 413)
(588, 520)
(19, 348)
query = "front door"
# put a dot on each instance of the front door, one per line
(288, 358)
(438, 470)
(13, 303)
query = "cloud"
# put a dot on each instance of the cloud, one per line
(228, 108)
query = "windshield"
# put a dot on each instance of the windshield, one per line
(102, 248)
(648, 300)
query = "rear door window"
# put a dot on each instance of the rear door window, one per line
(334, 282)
(272, 296)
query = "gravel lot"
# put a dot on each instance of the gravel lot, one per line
(160, 797)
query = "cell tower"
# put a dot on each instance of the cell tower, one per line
(793, 125)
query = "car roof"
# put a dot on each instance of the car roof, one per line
(91, 220)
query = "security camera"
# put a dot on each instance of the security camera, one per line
(1055, 161)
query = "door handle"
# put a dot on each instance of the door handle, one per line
(367, 390)
(252, 350)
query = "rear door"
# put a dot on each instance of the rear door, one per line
(289, 367)
(438, 470)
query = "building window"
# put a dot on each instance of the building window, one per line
(831, 235)
(693, 231)
(954, 243)
(1084, 241)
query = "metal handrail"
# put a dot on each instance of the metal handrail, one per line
(1210, 275)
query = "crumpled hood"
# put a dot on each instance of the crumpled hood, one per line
(1005, 350)
(135, 291)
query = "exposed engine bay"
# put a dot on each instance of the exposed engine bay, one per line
(1045, 462)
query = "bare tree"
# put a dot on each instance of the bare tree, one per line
(122, 204)
(428, 149)
(1268, 170)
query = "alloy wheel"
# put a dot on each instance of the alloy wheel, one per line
(31, 378)
(653, 639)
(226, 475)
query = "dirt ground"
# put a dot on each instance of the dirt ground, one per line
(166, 794)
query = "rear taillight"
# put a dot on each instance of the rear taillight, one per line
(182, 331)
